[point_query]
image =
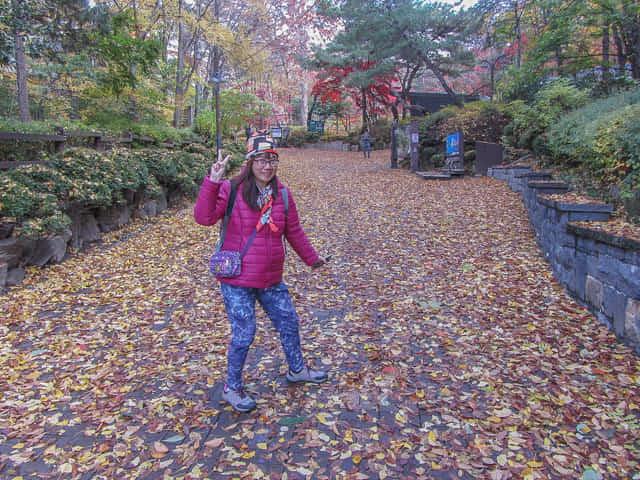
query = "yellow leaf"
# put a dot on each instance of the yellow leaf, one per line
(262, 445)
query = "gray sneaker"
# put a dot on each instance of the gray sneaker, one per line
(238, 399)
(307, 375)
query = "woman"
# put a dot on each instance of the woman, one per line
(365, 139)
(258, 206)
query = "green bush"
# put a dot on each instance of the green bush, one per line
(92, 179)
(602, 140)
(38, 196)
(530, 122)
(29, 196)
(381, 131)
(297, 136)
(177, 171)
(519, 84)
(478, 121)
(237, 150)
(617, 145)
(571, 138)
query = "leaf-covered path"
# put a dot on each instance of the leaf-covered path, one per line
(452, 351)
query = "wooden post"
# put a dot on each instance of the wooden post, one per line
(413, 131)
(394, 144)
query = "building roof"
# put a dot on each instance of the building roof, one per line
(431, 102)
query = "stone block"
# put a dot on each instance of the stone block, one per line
(10, 251)
(629, 279)
(4, 270)
(89, 229)
(565, 256)
(567, 240)
(6, 229)
(632, 322)
(15, 276)
(614, 304)
(50, 250)
(149, 209)
(632, 257)
(110, 219)
(593, 291)
(589, 216)
(163, 204)
(586, 245)
(608, 268)
(84, 227)
(580, 274)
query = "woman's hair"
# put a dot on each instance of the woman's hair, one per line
(249, 189)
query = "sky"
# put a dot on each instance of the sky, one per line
(465, 3)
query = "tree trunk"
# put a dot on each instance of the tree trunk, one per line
(365, 115)
(633, 48)
(21, 76)
(394, 144)
(304, 103)
(436, 71)
(179, 74)
(605, 52)
(622, 57)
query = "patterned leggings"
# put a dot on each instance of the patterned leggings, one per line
(240, 303)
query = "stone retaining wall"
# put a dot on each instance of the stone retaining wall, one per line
(87, 226)
(600, 270)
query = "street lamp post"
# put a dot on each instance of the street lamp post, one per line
(217, 79)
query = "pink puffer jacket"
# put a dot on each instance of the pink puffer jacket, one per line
(263, 263)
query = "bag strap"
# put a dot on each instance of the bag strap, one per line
(233, 191)
(285, 199)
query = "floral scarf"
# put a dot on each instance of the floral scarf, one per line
(265, 202)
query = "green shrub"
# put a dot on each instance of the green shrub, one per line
(602, 140)
(571, 138)
(381, 131)
(177, 171)
(617, 145)
(38, 196)
(519, 84)
(478, 121)
(237, 150)
(92, 179)
(530, 122)
(469, 156)
(28, 195)
(297, 136)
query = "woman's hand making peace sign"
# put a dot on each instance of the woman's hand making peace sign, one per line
(218, 168)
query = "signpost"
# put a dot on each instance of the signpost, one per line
(455, 154)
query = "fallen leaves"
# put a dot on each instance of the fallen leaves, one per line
(452, 351)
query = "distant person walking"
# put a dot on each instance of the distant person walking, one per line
(365, 140)
(259, 219)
